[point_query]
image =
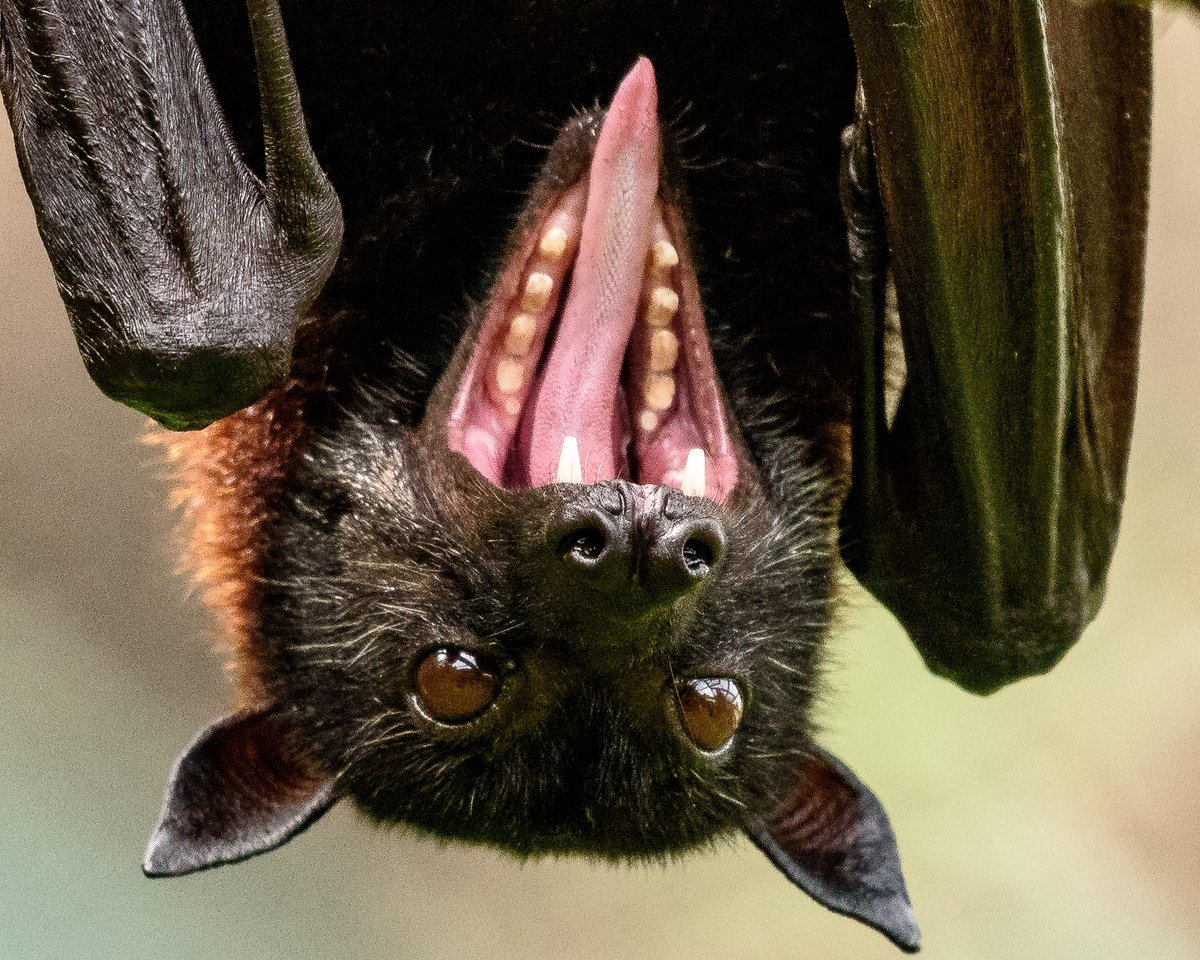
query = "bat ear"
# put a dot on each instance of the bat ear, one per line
(239, 789)
(831, 838)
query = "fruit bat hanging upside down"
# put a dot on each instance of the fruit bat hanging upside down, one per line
(523, 438)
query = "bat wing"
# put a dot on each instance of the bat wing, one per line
(185, 276)
(1013, 187)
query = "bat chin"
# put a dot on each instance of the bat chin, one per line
(592, 360)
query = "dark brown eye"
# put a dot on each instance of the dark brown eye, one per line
(453, 686)
(710, 711)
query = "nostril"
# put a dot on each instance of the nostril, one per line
(698, 557)
(682, 556)
(585, 545)
(703, 542)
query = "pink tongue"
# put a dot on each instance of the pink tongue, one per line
(580, 385)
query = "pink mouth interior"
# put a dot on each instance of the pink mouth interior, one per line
(595, 331)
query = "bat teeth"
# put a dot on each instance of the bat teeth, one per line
(663, 255)
(570, 467)
(537, 292)
(664, 351)
(693, 474)
(659, 391)
(662, 347)
(662, 306)
(520, 334)
(554, 242)
(658, 346)
(510, 376)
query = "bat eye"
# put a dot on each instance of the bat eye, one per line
(710, 711)
(453, 686)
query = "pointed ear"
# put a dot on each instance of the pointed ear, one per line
(238, 790)
(831, 838)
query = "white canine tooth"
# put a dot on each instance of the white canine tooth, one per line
(510, 376)
(658, 391)
(520, 334)
(662, 306)
(554, 242)
(664, 350)
(570, 468)
(648, 420)
(664, 255)
(537, 291)
(693, 473)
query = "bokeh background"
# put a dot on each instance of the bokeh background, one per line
(1058, 819)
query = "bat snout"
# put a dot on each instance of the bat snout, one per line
(638, 546)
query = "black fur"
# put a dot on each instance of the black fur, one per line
(392, 548)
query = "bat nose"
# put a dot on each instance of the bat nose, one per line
(637, 544)
(682, 554)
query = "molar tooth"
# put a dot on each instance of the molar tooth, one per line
(570, 468)
(648, 420)
(693, 474)
(554, 242)
(520, 334)
(663, 304)
(510, 376)
(537, 291)
(659, 391)
(663, 255)
(664, 350)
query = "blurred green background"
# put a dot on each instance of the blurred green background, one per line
(1059, 819)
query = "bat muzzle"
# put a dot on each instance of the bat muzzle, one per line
(630, 550)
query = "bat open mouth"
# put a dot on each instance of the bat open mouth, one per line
(593, 359)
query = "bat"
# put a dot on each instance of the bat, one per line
(528, 540)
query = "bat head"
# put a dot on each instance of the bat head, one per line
(577, 604)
